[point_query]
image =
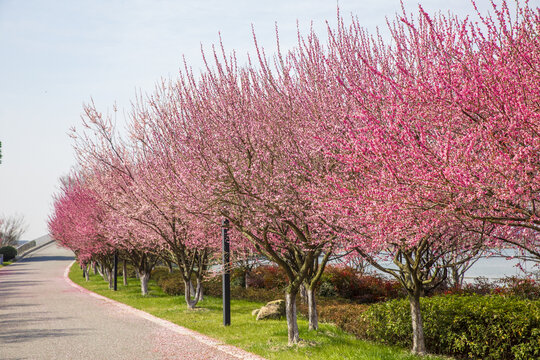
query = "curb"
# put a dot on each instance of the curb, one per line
(228, 349)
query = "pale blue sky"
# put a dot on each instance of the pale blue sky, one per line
(55, 55)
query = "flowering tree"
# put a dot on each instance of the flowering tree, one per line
(234, 149)
(423, 156)
(76, 223)
(143, 192)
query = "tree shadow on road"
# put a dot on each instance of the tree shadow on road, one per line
(19, 336)
(11, 321)
(48, 258)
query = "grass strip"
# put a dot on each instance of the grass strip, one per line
(265, 338)
(6, 263)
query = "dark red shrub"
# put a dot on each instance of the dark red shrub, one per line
(267, 277)
(348, 283)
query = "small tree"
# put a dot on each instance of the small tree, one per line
(11, 230)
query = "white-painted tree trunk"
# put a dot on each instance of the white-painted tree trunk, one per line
(110, 277)
(101, 271)
(313, 316)
(124, 272)
(290, 313)
(144, 277)
(187, 295)
(419, 345)
(87, 272)
(199, 292)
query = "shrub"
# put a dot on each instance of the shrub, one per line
(172, 284)
(238, 277)
(9, 252)
(158, 274)
(213, 287)
(522, 287)
(345, 316)
(482, 327)
(480, 286)
(131, 272)
(348, 283)
(267, 277)
(327, 289)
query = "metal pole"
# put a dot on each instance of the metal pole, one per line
(115, 269)
(226, 274)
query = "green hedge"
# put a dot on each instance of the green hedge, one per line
(476, 327)
(9, 252)
(170, 283)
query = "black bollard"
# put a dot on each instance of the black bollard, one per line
(226, 274)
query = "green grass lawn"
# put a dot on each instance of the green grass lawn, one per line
(6, 263)
(265, 338)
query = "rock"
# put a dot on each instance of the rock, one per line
(273, 310)
(255, 312)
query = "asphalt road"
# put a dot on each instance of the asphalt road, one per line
(42, 316)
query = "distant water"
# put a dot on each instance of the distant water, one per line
(492, 268)
(498, 267)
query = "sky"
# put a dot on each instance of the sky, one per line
(57, 55)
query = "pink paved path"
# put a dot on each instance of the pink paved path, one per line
(42, 316)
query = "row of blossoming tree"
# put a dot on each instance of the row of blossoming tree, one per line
(414, 152)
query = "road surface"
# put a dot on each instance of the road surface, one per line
(42, 316)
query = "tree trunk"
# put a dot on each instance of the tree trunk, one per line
(245, 279)
(144, 277)
(312, 309)
(87, 272)
(199, 291)
(457, 278)
(292, 324)
(187, 294)
(124, 272)
(95, 267)
(303, 294)
(419, 346)
(110, 276)
(101, 271)
(169, 265)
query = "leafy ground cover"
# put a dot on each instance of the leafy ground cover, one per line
(6, 263)
(268, 338)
